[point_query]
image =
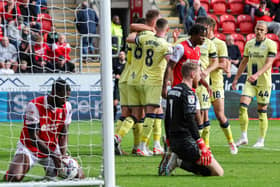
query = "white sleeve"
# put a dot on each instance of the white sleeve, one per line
(68, 118)
(177, 53)
(31, 114)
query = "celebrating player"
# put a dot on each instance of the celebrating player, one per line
(155, 50)
(258, 57)
(133, 85)
(189, 150)
(44, 134)
(217, 85)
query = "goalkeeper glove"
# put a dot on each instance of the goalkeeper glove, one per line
(205, 154)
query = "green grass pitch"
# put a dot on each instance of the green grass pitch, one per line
(251, 167)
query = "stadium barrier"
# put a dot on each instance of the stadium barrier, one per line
(17, 90)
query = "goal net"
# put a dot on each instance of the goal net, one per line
(90, 135)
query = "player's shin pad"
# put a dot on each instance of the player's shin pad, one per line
(126, 126)
(157, 129)
(263, 122)
(243, 117)
(206, 133)
(137, 131)
(227, 131)
(147, 129)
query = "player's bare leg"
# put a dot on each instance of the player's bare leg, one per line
(215, 168)
(244, 120)
(18, 168)
(218, 105)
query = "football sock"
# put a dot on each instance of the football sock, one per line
(157, 128)
(263, 122)
(243, 117)
(119, 123)
(227, 131)
(147, 127)
(200, 129)
(126, 126)
(206, 133)
(137, 131)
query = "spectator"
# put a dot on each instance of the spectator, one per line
(6, 69)
(23, 67)
(40, 5)
(118, 67)
(263, 13)
(233, 53)
(275, 66)
(86, 23)
(28, 11)
(61, 65)
(117, 31)
(193, 12)
(26, 55)
(14, 30)
(181, 7)
(25, 34)
(40, 49)
(8, 53)
(51, 37)
(11, 12)
(61, 47)
(250, 7)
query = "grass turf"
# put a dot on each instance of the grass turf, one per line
(251, 167)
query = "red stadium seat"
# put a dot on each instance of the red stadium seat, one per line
(275, 38)
(276, 64)
(239, 41)
(252, 2)
(219, 7)
(46, 21)
(236, 6)
(2, 5)
(220, 36)
(217, 22)
(205, 4)
(250, 36)
(245, 24)
(227, 23)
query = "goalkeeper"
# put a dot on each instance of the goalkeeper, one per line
(44, 134)
(189, 150)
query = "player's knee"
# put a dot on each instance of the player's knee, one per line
(243, 107)
(224, 125)
(262, 115)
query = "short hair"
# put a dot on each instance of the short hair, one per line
(140, 20)
(151, 14)
(261, 22)
(211, 22)
(187, 68)
(161, 23)
(202, 20)
(197, 29)
(60, 85)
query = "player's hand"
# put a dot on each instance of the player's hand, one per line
(209, 90)
(57, 159)
(234, 84)
(176, 34)
(253, 78)
(205, 154)
(205, 157)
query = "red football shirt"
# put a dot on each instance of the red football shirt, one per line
(184, 52)
(51, 122)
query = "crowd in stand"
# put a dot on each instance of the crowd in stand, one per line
(257, 10)
(26, 46)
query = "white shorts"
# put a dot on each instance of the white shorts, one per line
(47, 162)
(197, 103)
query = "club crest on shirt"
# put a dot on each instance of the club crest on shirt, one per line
(191, 99)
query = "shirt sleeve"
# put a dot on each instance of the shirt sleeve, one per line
(222, 51)
(212, 50)
(272, 49)
(68, 118)
(178, 52)
(31, 114)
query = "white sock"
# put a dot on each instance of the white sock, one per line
(157, 144)
(244, 135)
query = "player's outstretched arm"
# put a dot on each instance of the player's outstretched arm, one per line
(138, 27)
(131, 37)
(241, 69)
